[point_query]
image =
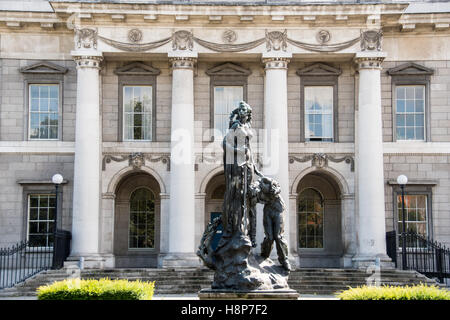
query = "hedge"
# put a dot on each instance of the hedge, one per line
(416, 292)
(103, 289)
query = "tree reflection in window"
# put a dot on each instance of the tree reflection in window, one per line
(142, 219)
(310, 219)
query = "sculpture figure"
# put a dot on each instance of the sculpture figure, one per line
(268, 192)
(235, 267)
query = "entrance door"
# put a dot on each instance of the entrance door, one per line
(319, 222)
(218, 234)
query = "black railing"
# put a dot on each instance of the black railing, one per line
(421, 254)
(25, 259)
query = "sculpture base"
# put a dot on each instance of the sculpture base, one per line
(218, 294)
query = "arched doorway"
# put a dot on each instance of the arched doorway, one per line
(137, 222)
(319, 226)
(215, 191)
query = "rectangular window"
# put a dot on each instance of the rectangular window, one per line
(137, 113)
(410, 112)
(41, 219)
(318, 113)
(416, 214)
(43, 111)
(226, 98)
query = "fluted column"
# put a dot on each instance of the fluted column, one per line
(369, 155)
(86, 188)
(276, 148)
(181, 249)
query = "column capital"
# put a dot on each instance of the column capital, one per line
(182, 60)
(370, 59)
(276, 60)
(87, 59)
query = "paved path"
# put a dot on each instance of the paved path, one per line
(191, 297)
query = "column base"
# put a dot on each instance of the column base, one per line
(89, 261)
(179, 260)
(366, 261)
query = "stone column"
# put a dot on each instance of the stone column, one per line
(276, 146)
(86, 189)
(181, 251)
(369, 155)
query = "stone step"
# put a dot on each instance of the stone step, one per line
(306, 281)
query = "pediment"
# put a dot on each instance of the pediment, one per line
(319, 69)
(137, 69)
(228, 69)
(410, 68)
(44, 67)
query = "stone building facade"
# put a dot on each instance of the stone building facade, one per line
(122, 99)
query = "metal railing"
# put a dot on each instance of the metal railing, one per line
(421, 254)
(21, 261)
(25, 259)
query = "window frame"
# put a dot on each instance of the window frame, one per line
(318, 250)
(27, 101)
(138, 74)
(136, 81)
(38, 188)
(406, 81)
(45, 83)
(333, 121)
(154, 218)
(425, 190)
(42, 73)
(226, 74)
(225, 83)
(410, 74)
(319, 74)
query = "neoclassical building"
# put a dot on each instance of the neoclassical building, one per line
(129, 101)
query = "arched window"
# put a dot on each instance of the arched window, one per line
(310, 219)
(142, 219)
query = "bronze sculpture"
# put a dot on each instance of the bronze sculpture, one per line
(236, 268)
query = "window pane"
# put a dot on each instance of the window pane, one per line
(54, 92)
(142, 215)
(318, 113)
(53, 105)
(401, 92)
(137, 112)
(43, 92)
(42, 210)
(416, 213)
(44, 108)
(410, 104)
(409, 92)
(226, 99)
(34, 91)
(310, 218)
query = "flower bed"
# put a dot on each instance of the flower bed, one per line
(103, 289)
(417, 292)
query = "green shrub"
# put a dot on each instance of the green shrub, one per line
(103, 289)
(417, 292)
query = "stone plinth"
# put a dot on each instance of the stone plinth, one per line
(277, 294)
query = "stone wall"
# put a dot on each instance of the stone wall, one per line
(13, 120)
(422, 170)
(439, 99)
(19, 171)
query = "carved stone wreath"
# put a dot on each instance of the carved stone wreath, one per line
(323, 36)
(229, 36)
(135, 35)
